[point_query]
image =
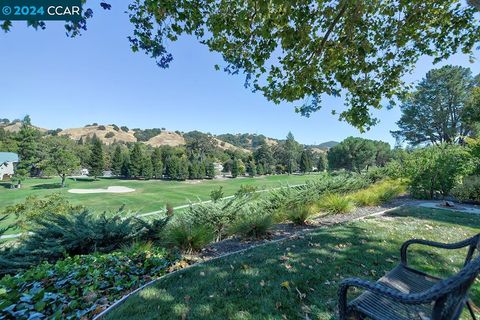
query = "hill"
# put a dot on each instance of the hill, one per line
(325, 145)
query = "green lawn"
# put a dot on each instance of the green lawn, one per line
(299, 277)
(149, 196)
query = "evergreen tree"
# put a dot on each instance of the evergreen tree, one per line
(28, 150)
(97, 161)
(136, 160)
(210, 169)
(157, 163)
(125, 171)
(251, 169)
(172, 167)
(147, 168)
(305, 161)
(182, 169)
(117, 161)
(322, 162)
(260, 169)
(291, 152)
(235, 169)
(194, 170)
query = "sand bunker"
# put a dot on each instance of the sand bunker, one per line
(113, 189)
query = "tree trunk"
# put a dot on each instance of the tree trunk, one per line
(63, 180)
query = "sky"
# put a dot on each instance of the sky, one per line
(63, 83)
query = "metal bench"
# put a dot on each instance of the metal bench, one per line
(408, 294)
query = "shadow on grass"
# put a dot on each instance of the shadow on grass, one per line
(438, 215)
(6, 185)
(291, 279)
(47, 186)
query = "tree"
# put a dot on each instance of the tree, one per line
(157, 163)
(306, 161)
(293, 51)
(172, 167)
(62, 159)
(210, 169)
(264, 157)
(435, 112)
(97, 160)
(182, 169)
(251, 168)
(147, 167)
(117, 161)
(125, 171)
(354, 154)
(200, 144)
(235, 169)
(136, 160)
(28, 150)
(322, 162)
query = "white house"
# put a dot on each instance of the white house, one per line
(7, 161)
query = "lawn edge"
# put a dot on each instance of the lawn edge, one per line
(301, 232)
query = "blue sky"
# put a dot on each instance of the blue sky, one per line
(62, 82)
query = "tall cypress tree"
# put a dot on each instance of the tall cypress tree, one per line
(305, 161)
(157, 163)
(97, 160)
(210, 169)
(235, 168)
(28, 150)
(147, 167)
(136, 160)
(117, 161)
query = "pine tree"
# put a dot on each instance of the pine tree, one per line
(235, 168)
(147, 168)
(125, 171)
(322, 162)
(97, 161)
(305, 162)
(28, 150)
(182, 169)
(157, 163)
(251, 169)
(171, 167)
(136, 160)
(117, 161)
(193, 170)
(210, 169)
(260, 169)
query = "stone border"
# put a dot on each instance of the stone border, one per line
(125, 297)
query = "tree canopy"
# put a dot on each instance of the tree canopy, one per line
(443, 108)
(300, 51)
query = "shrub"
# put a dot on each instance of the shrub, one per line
(298, 213)
(469, 190)
(436, 170)
(79, 232)
(80, 286)
(216, 194)
(379, 193)
(252, 224)
(189, 237)
(33, 208)
(124, 128)
(109, 135)
(102, 127)
(246, 190)
(336, 203)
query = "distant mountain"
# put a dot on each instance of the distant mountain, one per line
(246, 141)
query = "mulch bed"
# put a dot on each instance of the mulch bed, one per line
(285, 230)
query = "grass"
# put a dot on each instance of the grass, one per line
(379, 193)
(299, 277)
(149, 196)
(336, 203)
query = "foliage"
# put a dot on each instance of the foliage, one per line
(109, 135)
(357, 154)
(33, 208)
(210, 169)
(217, 194)
(322, 163)
(379, 193)
(297, 213)
(28, 150)
(218, 216)
(79, 232)
(336, 203)
(189, 237)
(436, 170)
(468, 190)
(97, 158)
(235, 168)
(79, 286)
(117, 161)
(306, 161)
(147, 134)
(61, 157)
(157, 163)
(246, 140)
(136, 160)
(435, 112)
(253, 223)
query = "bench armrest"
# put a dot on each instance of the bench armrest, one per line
(472, 242)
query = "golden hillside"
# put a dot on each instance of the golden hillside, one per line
(90, 131)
